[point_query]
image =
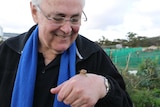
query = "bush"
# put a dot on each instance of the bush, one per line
(144, 88)
(145, 98)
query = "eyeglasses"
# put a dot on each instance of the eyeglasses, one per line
(59, 20)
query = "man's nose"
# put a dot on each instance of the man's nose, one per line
(66, 27)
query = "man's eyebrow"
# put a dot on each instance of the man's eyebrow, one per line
(64, 15)
(75, 15)
(60, 14)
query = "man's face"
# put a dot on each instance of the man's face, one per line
(55, 34)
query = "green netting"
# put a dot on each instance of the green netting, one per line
(134, 56)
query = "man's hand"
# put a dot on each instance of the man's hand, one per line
(82, 90)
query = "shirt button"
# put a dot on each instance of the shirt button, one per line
(43, 71)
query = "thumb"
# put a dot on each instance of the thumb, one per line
(56, 89)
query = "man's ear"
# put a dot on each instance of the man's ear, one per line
(34, 12)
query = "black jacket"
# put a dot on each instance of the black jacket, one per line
(91, 57)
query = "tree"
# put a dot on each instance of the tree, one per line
(104, 42)
(132, 40)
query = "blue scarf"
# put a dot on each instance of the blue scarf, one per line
(23, 91)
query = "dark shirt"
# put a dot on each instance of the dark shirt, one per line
(45, 80)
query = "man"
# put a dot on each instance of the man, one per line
(52, 65)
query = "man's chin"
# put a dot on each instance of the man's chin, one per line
(60, 51)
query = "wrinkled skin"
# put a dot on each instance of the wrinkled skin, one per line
(79, 92)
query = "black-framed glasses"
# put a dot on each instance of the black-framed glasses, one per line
(59, 20)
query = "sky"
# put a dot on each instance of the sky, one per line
(112, 19)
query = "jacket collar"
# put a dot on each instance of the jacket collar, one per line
(84, 49)
(17, 43)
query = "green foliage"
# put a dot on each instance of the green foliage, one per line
(132, 40)
(145, 98)
(144, 87)
(149, 73)
(104, 41)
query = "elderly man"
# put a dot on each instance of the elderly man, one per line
(52, 65)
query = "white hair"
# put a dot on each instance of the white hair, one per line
(83, 3)
(37, 2)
